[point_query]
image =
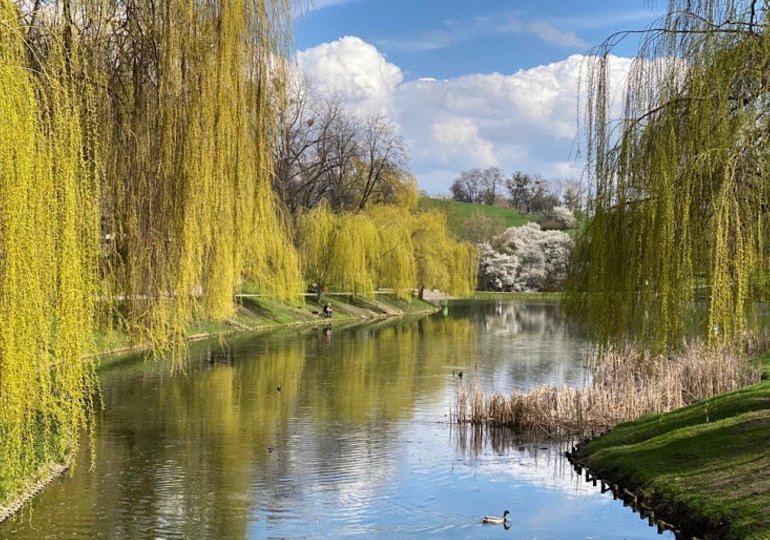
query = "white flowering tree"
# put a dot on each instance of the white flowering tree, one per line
(564, 217)
(525, 259)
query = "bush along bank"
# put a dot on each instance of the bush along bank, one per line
(704, 467)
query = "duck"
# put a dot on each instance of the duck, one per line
(494, 520)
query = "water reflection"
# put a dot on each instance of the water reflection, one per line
(529, 456)
(521, 345)
(330, 432)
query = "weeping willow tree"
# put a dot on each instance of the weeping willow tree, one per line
(394, 266)
(384, 246)
(338, 249)
(135, 184)
(188, 196)
(48, 252)
(682, 188)
(442, 262)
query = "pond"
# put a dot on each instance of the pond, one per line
(333, 432)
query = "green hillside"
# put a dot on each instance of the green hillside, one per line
(460, 211)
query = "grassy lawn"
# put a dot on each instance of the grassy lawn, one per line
(705, 467)
(513, 218)
(460, 211)
(262, 313)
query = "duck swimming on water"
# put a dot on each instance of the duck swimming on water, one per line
(494, 520)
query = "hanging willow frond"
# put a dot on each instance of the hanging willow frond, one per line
(48, 254)
(682, 188)
(384, 246)
(135, 181)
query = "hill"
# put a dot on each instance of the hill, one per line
(459, 212)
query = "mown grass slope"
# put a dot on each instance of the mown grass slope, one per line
(261, 313)
(706, 467)
(459, 212)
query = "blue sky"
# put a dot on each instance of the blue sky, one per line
(467, 80)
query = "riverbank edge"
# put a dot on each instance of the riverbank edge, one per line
(358, 309)
(697, 471)
(260, 314)
(513, 295)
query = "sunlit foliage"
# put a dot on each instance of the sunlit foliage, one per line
(135, 176)
(48, 246)
(338, 250)
(136, 191)
(442, 262)
(384, 246)
(681, 183)
(188, 188)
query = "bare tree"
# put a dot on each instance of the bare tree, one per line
(344, 148)
(521, 190)
(492, 178)
(573, 196)
(468, 186)
(383, 153)
(325, 152)
(314, 137)
(477, 186)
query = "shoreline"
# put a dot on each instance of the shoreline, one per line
(359, 310)
(259, 314)
(48, 474)
(700, 471)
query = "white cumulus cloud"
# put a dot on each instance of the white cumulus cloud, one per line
(461, 137)
(355, 69)
(521, 121)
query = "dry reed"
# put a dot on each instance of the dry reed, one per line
(625, 383)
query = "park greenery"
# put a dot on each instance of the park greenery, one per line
(526, 193)
(681, 185)
(354, 252)
(700, 465)
(154, 162)
(475, 223)
(142, 186)
(680, 214)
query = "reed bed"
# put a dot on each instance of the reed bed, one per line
(623, 384)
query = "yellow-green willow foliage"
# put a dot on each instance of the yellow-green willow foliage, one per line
(48, 249)
(682, 187)
(135, 176)
(463, 269)
(188, 179)
(384, 247)
(442, 262)
(394, 265)
(338, 250)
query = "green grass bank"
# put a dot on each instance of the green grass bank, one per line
(459, 212)
(512, 217)
(258, 313)
(535, 295)
(705, 468)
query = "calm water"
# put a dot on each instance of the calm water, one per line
(356, 442)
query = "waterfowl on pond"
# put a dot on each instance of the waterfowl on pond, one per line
(494, 520)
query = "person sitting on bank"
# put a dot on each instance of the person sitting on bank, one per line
(328, 311)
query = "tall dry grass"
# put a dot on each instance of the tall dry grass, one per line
(625, 383)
